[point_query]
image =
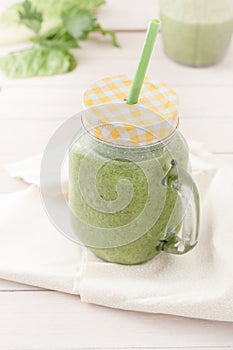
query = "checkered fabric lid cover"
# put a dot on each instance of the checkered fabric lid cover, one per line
(108, 118)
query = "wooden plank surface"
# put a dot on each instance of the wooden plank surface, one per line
(128, 14)
(58, 321)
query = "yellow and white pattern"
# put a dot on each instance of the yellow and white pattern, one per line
(110, 119)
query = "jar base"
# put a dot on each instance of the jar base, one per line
(193, 65)
(107, 256)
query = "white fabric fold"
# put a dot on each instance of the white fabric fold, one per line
(32, 251)
(198, 284)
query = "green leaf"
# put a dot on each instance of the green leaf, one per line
(57, 38)
(79, 23)
(108, 32)
(37, 61)
(51, 34)
(29, 16)
(60, 44)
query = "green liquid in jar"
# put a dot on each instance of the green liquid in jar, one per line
(196, 33)
(113, 168)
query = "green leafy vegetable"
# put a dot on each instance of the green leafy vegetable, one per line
(79, 23)
(51, 55)
(57, 38)
(29, 16)
(108, 32)
(37, 61)
(52, 10)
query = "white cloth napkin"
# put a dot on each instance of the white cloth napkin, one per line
(31, 249)
(199, 284)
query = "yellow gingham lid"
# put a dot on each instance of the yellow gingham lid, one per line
(108, 118)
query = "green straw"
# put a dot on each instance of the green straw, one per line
(138, 79)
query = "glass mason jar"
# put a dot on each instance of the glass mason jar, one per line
(131, 201)
(196, 32)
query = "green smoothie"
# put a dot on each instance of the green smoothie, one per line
(196, 33)
(113, 166)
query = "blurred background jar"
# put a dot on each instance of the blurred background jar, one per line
(196, 32)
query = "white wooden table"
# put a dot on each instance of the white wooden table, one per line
(30, 110)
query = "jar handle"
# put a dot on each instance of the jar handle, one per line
(180, 180)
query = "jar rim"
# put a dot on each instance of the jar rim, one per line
(129, 126)
(130, 147)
